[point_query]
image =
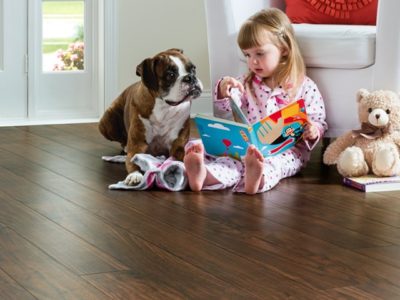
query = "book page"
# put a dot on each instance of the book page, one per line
(373, 179)
(222, 137)
(281, 130)
(235, 102)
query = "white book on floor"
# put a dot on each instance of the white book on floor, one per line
(372, 183)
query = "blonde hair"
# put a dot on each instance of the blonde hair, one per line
(272, 25)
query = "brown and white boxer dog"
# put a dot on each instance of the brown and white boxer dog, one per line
(153, 115)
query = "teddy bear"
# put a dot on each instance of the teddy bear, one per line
(375, 147)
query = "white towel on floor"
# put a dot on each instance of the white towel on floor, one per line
(168, 173)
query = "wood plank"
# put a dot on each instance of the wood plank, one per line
(126, 285)
(263, 279)
(209, 258)
(309, 237)
(90, 132)
(389, 255)
(72, 140)
(111, 240)
(90, 159)
(310, 224)
(78, 256)
(124, 218)
(10, 289)
(41, 276)
(111, 211)
(369, 206)
(351, 292)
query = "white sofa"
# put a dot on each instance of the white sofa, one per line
(340, 58)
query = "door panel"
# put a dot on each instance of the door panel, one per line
(13, 50)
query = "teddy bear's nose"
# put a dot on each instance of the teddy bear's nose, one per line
(377, 116)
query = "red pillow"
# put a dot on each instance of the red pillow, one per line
(356, 12)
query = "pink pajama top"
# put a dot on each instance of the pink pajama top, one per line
(268, 101)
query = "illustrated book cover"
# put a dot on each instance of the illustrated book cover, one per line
(372, 183)
(271, 135)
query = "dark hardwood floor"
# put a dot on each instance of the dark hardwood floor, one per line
(64, 235)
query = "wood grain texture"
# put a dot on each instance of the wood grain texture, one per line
(63, 234)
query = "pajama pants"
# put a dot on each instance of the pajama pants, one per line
(230, 172)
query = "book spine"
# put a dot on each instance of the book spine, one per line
(253, 138)
(354, 184)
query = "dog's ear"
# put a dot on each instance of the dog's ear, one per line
(146, 70)
(176, 50)
(139, 69)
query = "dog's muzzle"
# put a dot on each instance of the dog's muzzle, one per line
(193, 92)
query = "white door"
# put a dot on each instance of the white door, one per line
(13, 50)
(49, 60)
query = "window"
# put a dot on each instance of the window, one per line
(63, 40)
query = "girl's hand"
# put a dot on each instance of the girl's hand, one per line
(310, 132)
(225, 85)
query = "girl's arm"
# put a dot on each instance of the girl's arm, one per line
(315, 108)
(222, 107)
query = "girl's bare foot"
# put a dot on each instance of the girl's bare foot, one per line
(253, 163)
(195, 167)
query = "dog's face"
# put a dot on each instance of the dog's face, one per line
(171, 76)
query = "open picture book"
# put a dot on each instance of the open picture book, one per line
(271, 135)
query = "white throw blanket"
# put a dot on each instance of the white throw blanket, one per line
(168, 173)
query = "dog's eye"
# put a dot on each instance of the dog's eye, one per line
(388, 111)
(191, 69)
(171, 75)
(369, 110)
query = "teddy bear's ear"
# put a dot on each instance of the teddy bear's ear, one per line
(361, 94)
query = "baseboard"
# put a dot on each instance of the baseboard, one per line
(27, 122)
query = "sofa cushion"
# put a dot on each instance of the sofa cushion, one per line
(355, 12)
(337, 46)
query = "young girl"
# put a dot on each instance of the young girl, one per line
(276, 77)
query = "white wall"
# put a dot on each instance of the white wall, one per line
(146, 27)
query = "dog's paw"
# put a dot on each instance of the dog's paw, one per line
(133, 178)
